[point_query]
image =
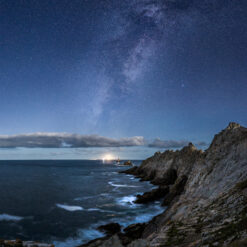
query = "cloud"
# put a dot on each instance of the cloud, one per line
(158, 143)
(56, 140)
(67, 140)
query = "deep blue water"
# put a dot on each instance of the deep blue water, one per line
(64, 201)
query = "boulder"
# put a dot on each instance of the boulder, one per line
(132, 171)
(128, 163)
(131, 233)
(134, 231)
(110, 229)
(153, 195)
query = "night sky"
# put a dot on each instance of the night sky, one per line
(119, 77)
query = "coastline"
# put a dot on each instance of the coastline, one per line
(130, 232)
(134, 231)
(205, 193)
(114, 200)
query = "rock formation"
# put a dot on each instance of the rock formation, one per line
(205, 194)
(20, 243)
(110, 229)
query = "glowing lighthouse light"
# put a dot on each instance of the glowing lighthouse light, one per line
(107, 157)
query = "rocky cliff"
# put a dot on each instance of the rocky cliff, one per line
(205, 194)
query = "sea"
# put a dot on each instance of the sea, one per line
(64, 201)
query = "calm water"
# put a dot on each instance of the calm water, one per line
(64, 201)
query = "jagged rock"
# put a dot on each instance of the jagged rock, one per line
(20, 243)
(175, 190)
(132, 171)
(132, 232)
(110, 229)
(128, 163)
(114, 241)
(98, 242)
(233, 125)
(138, 243)
(169, 177)
(208, 199)
(152, 195)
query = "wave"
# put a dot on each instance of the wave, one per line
(84, 198)
(127, 201)
(101, 210)
(7, 217)
(84, 235)
(131, 177)
(78, 208)
(93, 209)
(147, 216)
(141, 218)
(94, 196)
(69, 208)
(123, 185)
(105, 194)
(109, 173)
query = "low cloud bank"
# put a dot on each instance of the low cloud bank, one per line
(157, 143)
(58, 140)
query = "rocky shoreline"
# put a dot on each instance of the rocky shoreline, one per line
(20, 243)
(205, 194)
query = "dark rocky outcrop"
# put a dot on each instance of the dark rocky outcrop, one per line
(132, 171)
(110, 229)
(207, 199)
(168, 178)
(128, 163)
(153, 195)
(20, 243)
(175, 190)
(131, 233)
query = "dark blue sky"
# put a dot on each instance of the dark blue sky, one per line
(168, 69)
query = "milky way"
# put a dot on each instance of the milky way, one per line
(165, 70)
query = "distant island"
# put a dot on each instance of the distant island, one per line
(204, 196)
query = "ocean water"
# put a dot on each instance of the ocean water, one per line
(64, 201)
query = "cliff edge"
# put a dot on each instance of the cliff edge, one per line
(205, 194)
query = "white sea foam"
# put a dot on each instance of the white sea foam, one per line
(123, 185)
(146, 217)
(84, 236)
(7, 217)
(84, 198)
(104, 194)
(90, 234)
(127, 201)
(108, 173)
(93, 209)
(140, 218)
(101, 210)
(89, 197)
(69, 208)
